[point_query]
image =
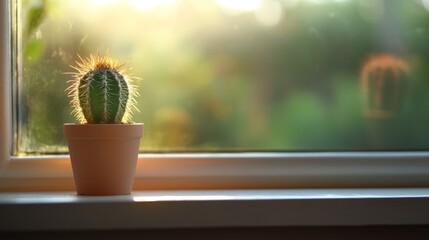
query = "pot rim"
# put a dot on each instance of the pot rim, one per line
(101, 124)
(103, 131)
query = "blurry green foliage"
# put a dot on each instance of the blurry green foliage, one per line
(215, 81)
(35, 15)
(34, 50)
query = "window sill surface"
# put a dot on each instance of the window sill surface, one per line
(214, 208)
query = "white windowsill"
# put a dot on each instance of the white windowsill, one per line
(236, 171)
(214, 208)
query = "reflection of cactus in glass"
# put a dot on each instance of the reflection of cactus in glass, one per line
(101, 92)
(382, 80)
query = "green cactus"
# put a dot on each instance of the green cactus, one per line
(101, 92)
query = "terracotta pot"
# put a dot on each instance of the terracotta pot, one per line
(103, 156)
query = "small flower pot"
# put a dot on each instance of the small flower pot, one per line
(103, 157)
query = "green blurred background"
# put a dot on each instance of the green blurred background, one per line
(238, 75)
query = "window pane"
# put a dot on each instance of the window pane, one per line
(237, 75)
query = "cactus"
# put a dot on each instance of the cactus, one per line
(101, 92)
(383, 81)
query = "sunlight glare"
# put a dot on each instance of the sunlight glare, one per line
(326, 1)
(270, 13)
(148, 5)
(103, 2)
(181, 198)
(317, 1)
(240, 5)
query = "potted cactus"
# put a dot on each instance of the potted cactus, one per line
(104, 145)
(383, 81)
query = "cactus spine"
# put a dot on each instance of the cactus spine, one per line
(101, 92)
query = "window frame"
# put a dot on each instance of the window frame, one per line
(205, 170)
(5, 84)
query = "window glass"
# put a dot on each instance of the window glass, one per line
(235, 75)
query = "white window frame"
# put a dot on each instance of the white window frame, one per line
(5, 86)
(206, 170)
